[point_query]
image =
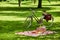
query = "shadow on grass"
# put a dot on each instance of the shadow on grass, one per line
(11, 26)
(56, 14)
(25, 3)
(13, 3)
(22, 8)
(20, 14)
(52, 5)
(15, 14)
(25, 14)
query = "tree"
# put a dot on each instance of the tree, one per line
(0, 0)
(34, 1)
(39, 3)
(4, 0)
(19, 3)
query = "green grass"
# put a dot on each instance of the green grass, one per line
(12, 19)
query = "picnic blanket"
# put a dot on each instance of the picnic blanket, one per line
(37, 32)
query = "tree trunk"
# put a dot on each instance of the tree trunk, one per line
(39, 3)
(4, 0)
(19, 3)
(0, 0)
(34, 1)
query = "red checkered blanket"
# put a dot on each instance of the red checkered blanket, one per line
(35, 33)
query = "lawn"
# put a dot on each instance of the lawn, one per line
(12, 19)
